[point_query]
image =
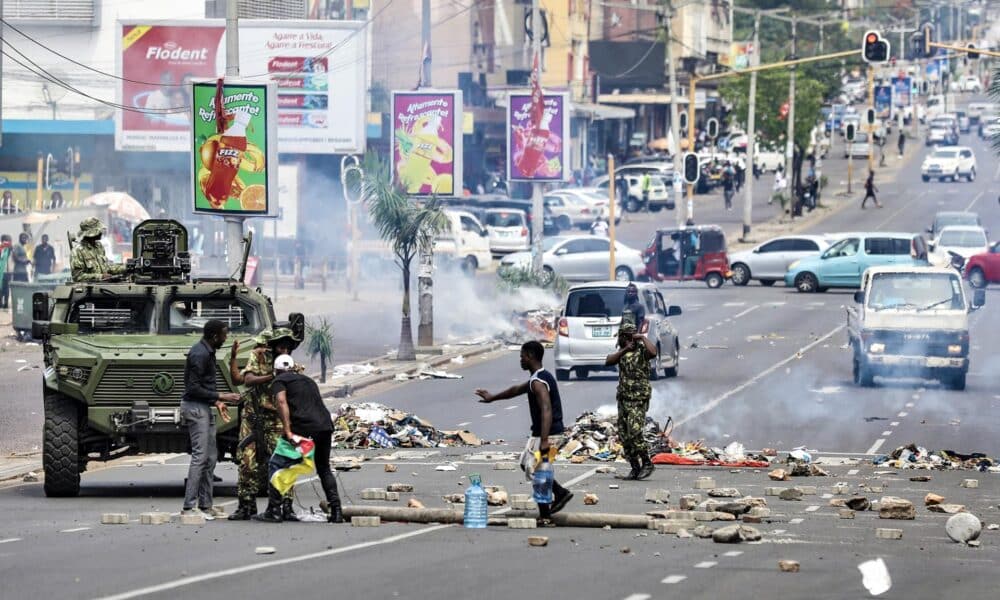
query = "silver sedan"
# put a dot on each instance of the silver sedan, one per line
(580, 258)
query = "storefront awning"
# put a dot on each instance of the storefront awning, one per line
(602, 112)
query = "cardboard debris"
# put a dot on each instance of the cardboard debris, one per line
(370, 425)
(347, 370)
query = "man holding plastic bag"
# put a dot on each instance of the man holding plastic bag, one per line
(305, 444)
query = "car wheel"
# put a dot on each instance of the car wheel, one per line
(806, 283)
(654, 365)
(714, 280)
(953, 177)
(564, 222)
(469, 265)
(741, 274)
(623, 274)
(977, 278)
(972, 175)
(925, 178)
(862, 374)
(655, 208)
(632, 204)
(956, 381)
(548, 275)
(582, 372)
(672, 371)
(562, 374)
(767, 282)
(61, 446)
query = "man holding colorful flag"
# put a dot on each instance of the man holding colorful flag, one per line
(306, 442)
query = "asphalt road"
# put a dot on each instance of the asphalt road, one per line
(763, 366)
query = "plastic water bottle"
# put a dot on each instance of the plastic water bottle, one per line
(541, 482)
(475, 504)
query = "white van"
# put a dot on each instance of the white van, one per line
(464, 241)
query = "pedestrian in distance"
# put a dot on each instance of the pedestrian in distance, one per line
(303, 417)
(901, 142)
(6, 266)
(198, 405)
(44, 257)
(634, 391)
(647, 184)
(547, 430)
(599, 227)
(19, 259)
(728, 184)
(779, 184)
(7, 204)
(633, 304)
(870, 191)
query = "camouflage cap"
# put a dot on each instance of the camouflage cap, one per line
(282, 333)
(628, 322)
(262, 338)
(91, 227)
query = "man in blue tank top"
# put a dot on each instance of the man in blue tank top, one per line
(547, 427)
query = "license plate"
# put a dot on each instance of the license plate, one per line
(506, 233)
(602, 331)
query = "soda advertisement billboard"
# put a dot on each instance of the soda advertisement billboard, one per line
(320, 69)
(427, 142)
(538, 153)
(234, 155)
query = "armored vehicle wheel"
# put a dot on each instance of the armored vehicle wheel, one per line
(61, 447)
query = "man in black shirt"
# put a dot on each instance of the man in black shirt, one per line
(633, 304)
(200, 397)
(303, 415)
(45, 257)
(547, 428)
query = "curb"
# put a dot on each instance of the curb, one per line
(348, 388)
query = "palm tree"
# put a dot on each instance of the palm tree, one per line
(319, 342)
(406, 225)
(994, 93)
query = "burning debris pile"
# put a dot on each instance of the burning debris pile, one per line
(370, 425)
(538, 324)
(918, 457)
(594, 436)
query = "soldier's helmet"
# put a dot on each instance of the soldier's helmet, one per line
(628, 322)
(262, 338)
(91, 228)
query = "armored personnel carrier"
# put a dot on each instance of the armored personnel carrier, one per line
(115, 352)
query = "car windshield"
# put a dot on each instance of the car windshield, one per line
(113, 314)
(915, 290)
(962, 239)
(940, 124)
(504, 219)
(595, 302)
(189, 315)
(945, 154)
(947, 220)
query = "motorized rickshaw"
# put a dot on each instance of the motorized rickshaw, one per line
(690, 253)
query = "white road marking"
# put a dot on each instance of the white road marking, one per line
(463, 424)
(9, 540)
(579, 478)
(674, 579)
(910, 404)
(818, 303)
(700, 332)
(74, 530)
(795, 521)
(734, 304)
(974, 200)
(852, 472)
(887, 433)
(826, 496)
(708, 564)
(733, 553)
(813, 508)
(902, 414)
(638, 597)
(878, 444)
(751, 309)
(258, 566)
(778, 531)
(489, 415)
(515, 407)
(775, 304)
(894, 424)
(736, 390)
(709, 328)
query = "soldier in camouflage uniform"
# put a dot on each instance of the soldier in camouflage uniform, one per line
(632, 357)
(88, 261)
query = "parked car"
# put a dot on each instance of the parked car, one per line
(983, 269)
(579, 258)
(964, 240)
(508, 230)
(464, 241)
(569, 211)
(596, 198)
(949, 163)
(659, 193)
(841, 265)
(768, 262)
(947, 218)
(971, 83)
(588, 329)
(696, 253)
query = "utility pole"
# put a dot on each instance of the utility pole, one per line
(537, 210)
(751, 131)
(674, 129)
(790, 132)
(234, 224)
(425, 272)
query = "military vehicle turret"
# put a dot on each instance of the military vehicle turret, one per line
(115, 353)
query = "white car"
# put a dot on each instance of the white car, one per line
(989, 127)
(579, 258)
(769, 261)
(971, 83)
(569, 211)
(941, 133)
(464, 241)
(508, 229)
(858, 148)
(851, 120)
(964, 240)
(978, 109)
(659, 194)
(596, 198)
(949, 163)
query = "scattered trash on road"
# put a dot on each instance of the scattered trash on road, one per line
(371, 425)
(875, 576)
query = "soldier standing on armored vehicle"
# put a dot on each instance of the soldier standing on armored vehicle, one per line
(88, 261)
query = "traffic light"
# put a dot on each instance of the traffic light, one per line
(713, 128)
(972, 55)
(849, 134)
(870, 116)
(682, 120)
(691, 170)
(874, 48)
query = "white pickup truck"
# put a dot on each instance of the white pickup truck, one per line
(911, 321)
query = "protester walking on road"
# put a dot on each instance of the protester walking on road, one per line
(197, 404)
(779, 185)
(545, 407)
(44, 257)
(303, 417)
(632, 357)
(647, 184)
(728, 183)
(870, 190)
(901, 142)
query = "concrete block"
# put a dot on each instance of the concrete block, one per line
(154, 518)
(752, 519)
(701, 515)
(366, 521)
(690, 501)
(846, 513)
(392, 496)
(970, 483)
(888, 534)
(520, 523)
(373, 494)
(760, 512)
(504, 466)
(773, 491)
(192, 520)
(808, 490)
(658, 496)
(672, 527)
(405, 488)
(704, 483)
(114, 518)
(521, 502)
